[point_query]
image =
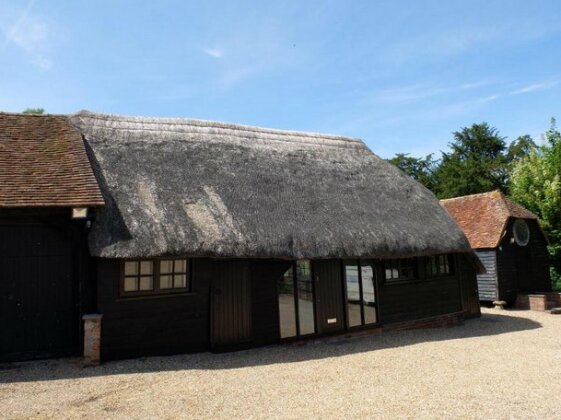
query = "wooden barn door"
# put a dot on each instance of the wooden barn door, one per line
(38, 304)
(468, 288)
(230, 306)
(523, 262)
(330, 305)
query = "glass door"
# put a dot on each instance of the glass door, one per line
(360, 278)
(296, 301)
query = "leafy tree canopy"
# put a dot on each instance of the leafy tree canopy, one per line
(520, 148)
(476, 163)
(37, 111)
(536, 184)
(420, 169)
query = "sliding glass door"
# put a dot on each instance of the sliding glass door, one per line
(296, 301)
(360, 277)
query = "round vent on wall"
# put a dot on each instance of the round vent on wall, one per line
(521, 232)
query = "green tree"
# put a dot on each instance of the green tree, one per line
(36, 111)
(420, 169)
(536, 184)
(476, 163)
(520, 148)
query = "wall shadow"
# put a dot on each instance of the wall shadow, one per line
(488, 325)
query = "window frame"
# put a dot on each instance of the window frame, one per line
(156, 290)
(296, 296)
(359, 263)
(517, 226)
(399, 280)
(449, 263)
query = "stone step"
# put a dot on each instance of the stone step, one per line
(555, 311)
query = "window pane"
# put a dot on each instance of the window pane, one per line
(353, 294)
(368, 293)
(287, 310)
(305, 297)
(180, 266)
(179, 281)
(131, 268)
(130, 284)
(166, 282)
(145, 267)
(434, 266)
(146, 283)
(447, 264)
(166, 266)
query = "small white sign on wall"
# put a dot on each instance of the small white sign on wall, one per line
(331, 320)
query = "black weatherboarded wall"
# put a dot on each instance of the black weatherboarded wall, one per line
(522, 268)
(44, 283)
(154, 325)
(424, 298)
(182, 323)
(199, 320)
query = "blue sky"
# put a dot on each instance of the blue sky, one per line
(400, 75)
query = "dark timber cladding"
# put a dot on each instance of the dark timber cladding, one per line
(234, 303)
(43, 284)
(159, 325)
(44, 263)
(522, 268)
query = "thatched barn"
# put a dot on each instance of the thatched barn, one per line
(509, 242)
(220, 236)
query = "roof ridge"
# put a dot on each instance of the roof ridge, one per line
(488, 193)
(23, 114)
(213, 124)
(508, 202)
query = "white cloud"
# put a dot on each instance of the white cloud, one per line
(417, 92)
(31, 36)
(534, 87)
(214, 52)
(12, 31)
(489, 98)
(473, 85)
(43, 63)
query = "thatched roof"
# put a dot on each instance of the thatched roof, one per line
(43, 163)
(484, 217)
(200, 188)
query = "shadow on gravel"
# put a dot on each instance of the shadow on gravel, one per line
(488, 325)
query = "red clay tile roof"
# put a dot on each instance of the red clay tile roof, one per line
(43, 163)
(483, 217)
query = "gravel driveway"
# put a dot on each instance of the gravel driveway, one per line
(505, 365)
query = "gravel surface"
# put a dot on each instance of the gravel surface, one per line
(505, 365)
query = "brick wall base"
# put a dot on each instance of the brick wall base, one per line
(92, 339)
(553, 300)
(538, 301)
